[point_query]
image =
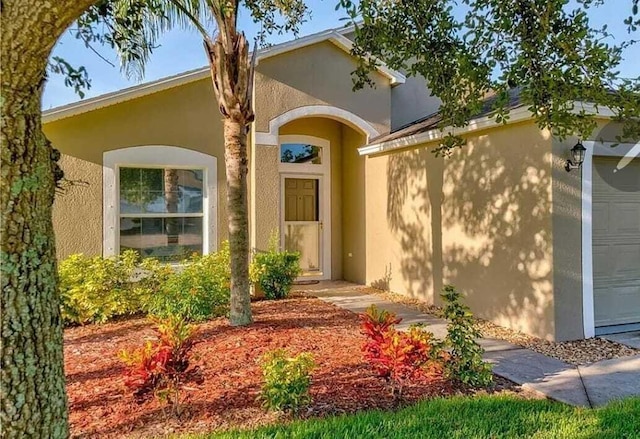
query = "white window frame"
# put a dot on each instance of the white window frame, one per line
(157, 156)
(323, 173)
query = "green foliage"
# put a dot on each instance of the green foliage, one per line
(275, 271)
(465, 363)
(96, 289)
(197, 291)
(133, 28)
(286, 380)
(548, 51)
(74, 77)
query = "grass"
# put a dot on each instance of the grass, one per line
(468, 418)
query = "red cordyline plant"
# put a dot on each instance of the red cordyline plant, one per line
(160, 366)
(396, 356)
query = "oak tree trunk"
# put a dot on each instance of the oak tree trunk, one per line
(34, 398)
(171, 198)
(235, 158)
(32, 378)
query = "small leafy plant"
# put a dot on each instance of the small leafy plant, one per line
(159, 368)
(286, 380)
(275, 271)
(198, 291)
(465, 363)
(396, 356)
(97, 289)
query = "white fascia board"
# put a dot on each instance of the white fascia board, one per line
(517, 115)
(299, 43)
(346, 44)
(123, 95)
(288, 46)
(335, 37)
(592, 109)
(481, 123)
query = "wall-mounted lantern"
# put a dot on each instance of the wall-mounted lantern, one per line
(577, 152)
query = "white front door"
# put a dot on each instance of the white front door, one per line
(305, 202)
(302, 222)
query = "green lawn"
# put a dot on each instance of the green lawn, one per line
(466, 418)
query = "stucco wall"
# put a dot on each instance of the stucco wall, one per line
(354, 251)
(347, 193)
(567, 237)
(313, 75)
(77, 212)
(317, 75)
(185, 116)
(266, 197)
(411, 101)
(567, 225)
(480, 220)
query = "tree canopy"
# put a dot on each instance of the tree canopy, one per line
(471, 50)
(132, 27)
(467, 51)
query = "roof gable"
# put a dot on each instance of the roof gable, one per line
(334, 36)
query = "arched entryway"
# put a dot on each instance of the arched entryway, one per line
(320, 202)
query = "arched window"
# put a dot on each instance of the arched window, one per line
(300, 153)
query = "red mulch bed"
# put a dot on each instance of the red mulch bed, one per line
(101, 407)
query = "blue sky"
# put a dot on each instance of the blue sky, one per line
(181, 50)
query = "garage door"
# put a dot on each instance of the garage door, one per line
(616, 242)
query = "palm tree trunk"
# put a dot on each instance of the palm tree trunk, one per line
(171, 199)
(235, 139)
(34, 402)
(232, 75)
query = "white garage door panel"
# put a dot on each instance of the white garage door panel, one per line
(626, 219)
(627, 262)
(600, 212)
(621, 302)
(616, 262)
(616, 245)
(601, 262)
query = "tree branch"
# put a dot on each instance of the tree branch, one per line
(88, 44)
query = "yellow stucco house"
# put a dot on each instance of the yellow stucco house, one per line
(349, 179)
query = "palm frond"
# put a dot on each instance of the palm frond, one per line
(137, 25)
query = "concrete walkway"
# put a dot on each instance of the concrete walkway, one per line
(590, 386)
(631, 339)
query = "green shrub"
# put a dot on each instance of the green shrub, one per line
(96, 289)
(286, 380)
(197, 291)
(275, 271)
(465, 363)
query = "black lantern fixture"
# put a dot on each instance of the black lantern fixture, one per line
(577, 153)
